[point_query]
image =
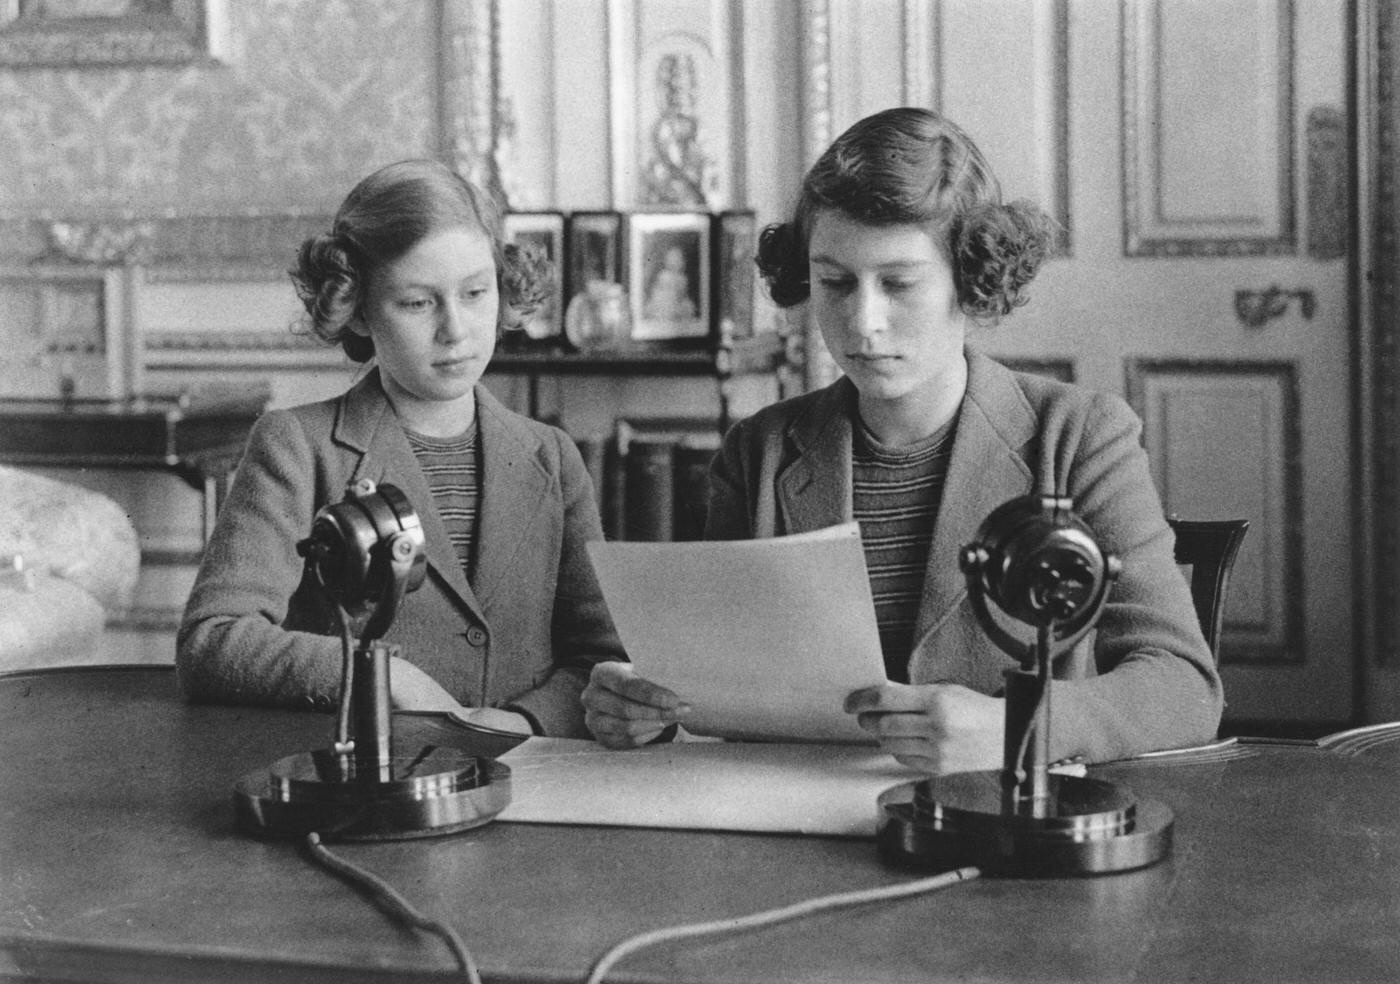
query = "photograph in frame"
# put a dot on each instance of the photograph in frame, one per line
(594, 250)
(669, 275)
(544, 231)
(735, 248)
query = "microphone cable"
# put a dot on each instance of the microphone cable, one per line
(397, 905)
(770, 917)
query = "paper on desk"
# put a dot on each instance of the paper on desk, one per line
(763, 638)
(755, 787)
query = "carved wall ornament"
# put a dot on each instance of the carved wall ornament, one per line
(678, 170)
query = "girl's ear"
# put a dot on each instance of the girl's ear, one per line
(357, 325)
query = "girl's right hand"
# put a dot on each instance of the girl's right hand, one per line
(624, 710)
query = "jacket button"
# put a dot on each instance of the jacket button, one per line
(476, 635)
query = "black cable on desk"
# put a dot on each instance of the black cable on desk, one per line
(770, 917)
(396, 903)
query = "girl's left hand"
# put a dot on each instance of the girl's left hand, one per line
(937, 728)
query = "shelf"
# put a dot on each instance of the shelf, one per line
(762, 353)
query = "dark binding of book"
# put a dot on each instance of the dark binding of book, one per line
(665, 463)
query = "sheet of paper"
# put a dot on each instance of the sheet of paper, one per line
(757, 787)
(763, 638)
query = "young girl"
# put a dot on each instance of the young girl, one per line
(900, 243)
(414, 276)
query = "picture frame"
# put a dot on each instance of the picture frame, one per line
(736, 246)
(545, 230)
(594, 250)
(69, 33)
(669, 275)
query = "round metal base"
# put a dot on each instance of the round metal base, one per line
(433, 791)
(1090, 827)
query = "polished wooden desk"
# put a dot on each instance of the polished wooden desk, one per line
(119, 861)
(197, 439)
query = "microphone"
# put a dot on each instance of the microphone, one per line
(1040, 565)
(366, 553)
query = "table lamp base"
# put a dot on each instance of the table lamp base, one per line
(1087, 827)
(431, 791)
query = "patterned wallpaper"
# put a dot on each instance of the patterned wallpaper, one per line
(315, 94)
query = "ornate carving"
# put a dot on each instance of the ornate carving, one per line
(468, 85)
(678, 169)
(1327, 182)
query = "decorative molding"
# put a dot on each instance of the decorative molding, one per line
(182, 249)
(1145, 231)
(468, 80)
(1327, 169)
(1384, 340)
(1279, 639)
(176, 32)
(923, 62)
(819, 368)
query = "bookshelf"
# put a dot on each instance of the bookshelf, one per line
(721, 361)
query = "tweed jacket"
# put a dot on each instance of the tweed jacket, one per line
(1145, 680)
(526, 630)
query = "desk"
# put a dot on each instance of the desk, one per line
(199, 441)
(119, 861)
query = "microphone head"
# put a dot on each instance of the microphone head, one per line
(1040, 563)
(362, 547)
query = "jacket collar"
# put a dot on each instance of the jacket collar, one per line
(986, 468)
(514, 482)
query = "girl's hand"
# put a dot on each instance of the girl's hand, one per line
(937, 728)
(624, 710)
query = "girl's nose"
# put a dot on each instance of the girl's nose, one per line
(871, 313)
(451, 325)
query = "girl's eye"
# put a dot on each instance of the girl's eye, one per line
(473, 293)
(899, 285)
(834, 283)
(416, 303)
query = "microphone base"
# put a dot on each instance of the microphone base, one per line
(1085, 827)
(429, 791)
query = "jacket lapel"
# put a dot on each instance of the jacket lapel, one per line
(514, 486)
(368, 425)
(986, 469)
(814, 487)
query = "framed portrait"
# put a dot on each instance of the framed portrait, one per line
(668, 275)
(594, 250)
(545, 232)
(736, 244)
(68, 33)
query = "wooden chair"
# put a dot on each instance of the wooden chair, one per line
(1209, 547)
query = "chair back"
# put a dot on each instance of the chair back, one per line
(1209, 547)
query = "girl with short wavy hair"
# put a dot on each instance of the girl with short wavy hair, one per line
(414, 279)
(900, 246)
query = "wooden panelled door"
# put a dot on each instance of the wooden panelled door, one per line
(1196, 152)
(1203, 149)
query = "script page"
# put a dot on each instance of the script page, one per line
(763, 638)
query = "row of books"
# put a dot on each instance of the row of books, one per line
(652, 477)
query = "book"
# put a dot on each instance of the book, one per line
(691, 460)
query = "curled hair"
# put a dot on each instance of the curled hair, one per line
(909, 166)
(387, 214)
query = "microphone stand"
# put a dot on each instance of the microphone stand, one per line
(366, 553)
(1041, 565)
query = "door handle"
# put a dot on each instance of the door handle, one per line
(1255, 308)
